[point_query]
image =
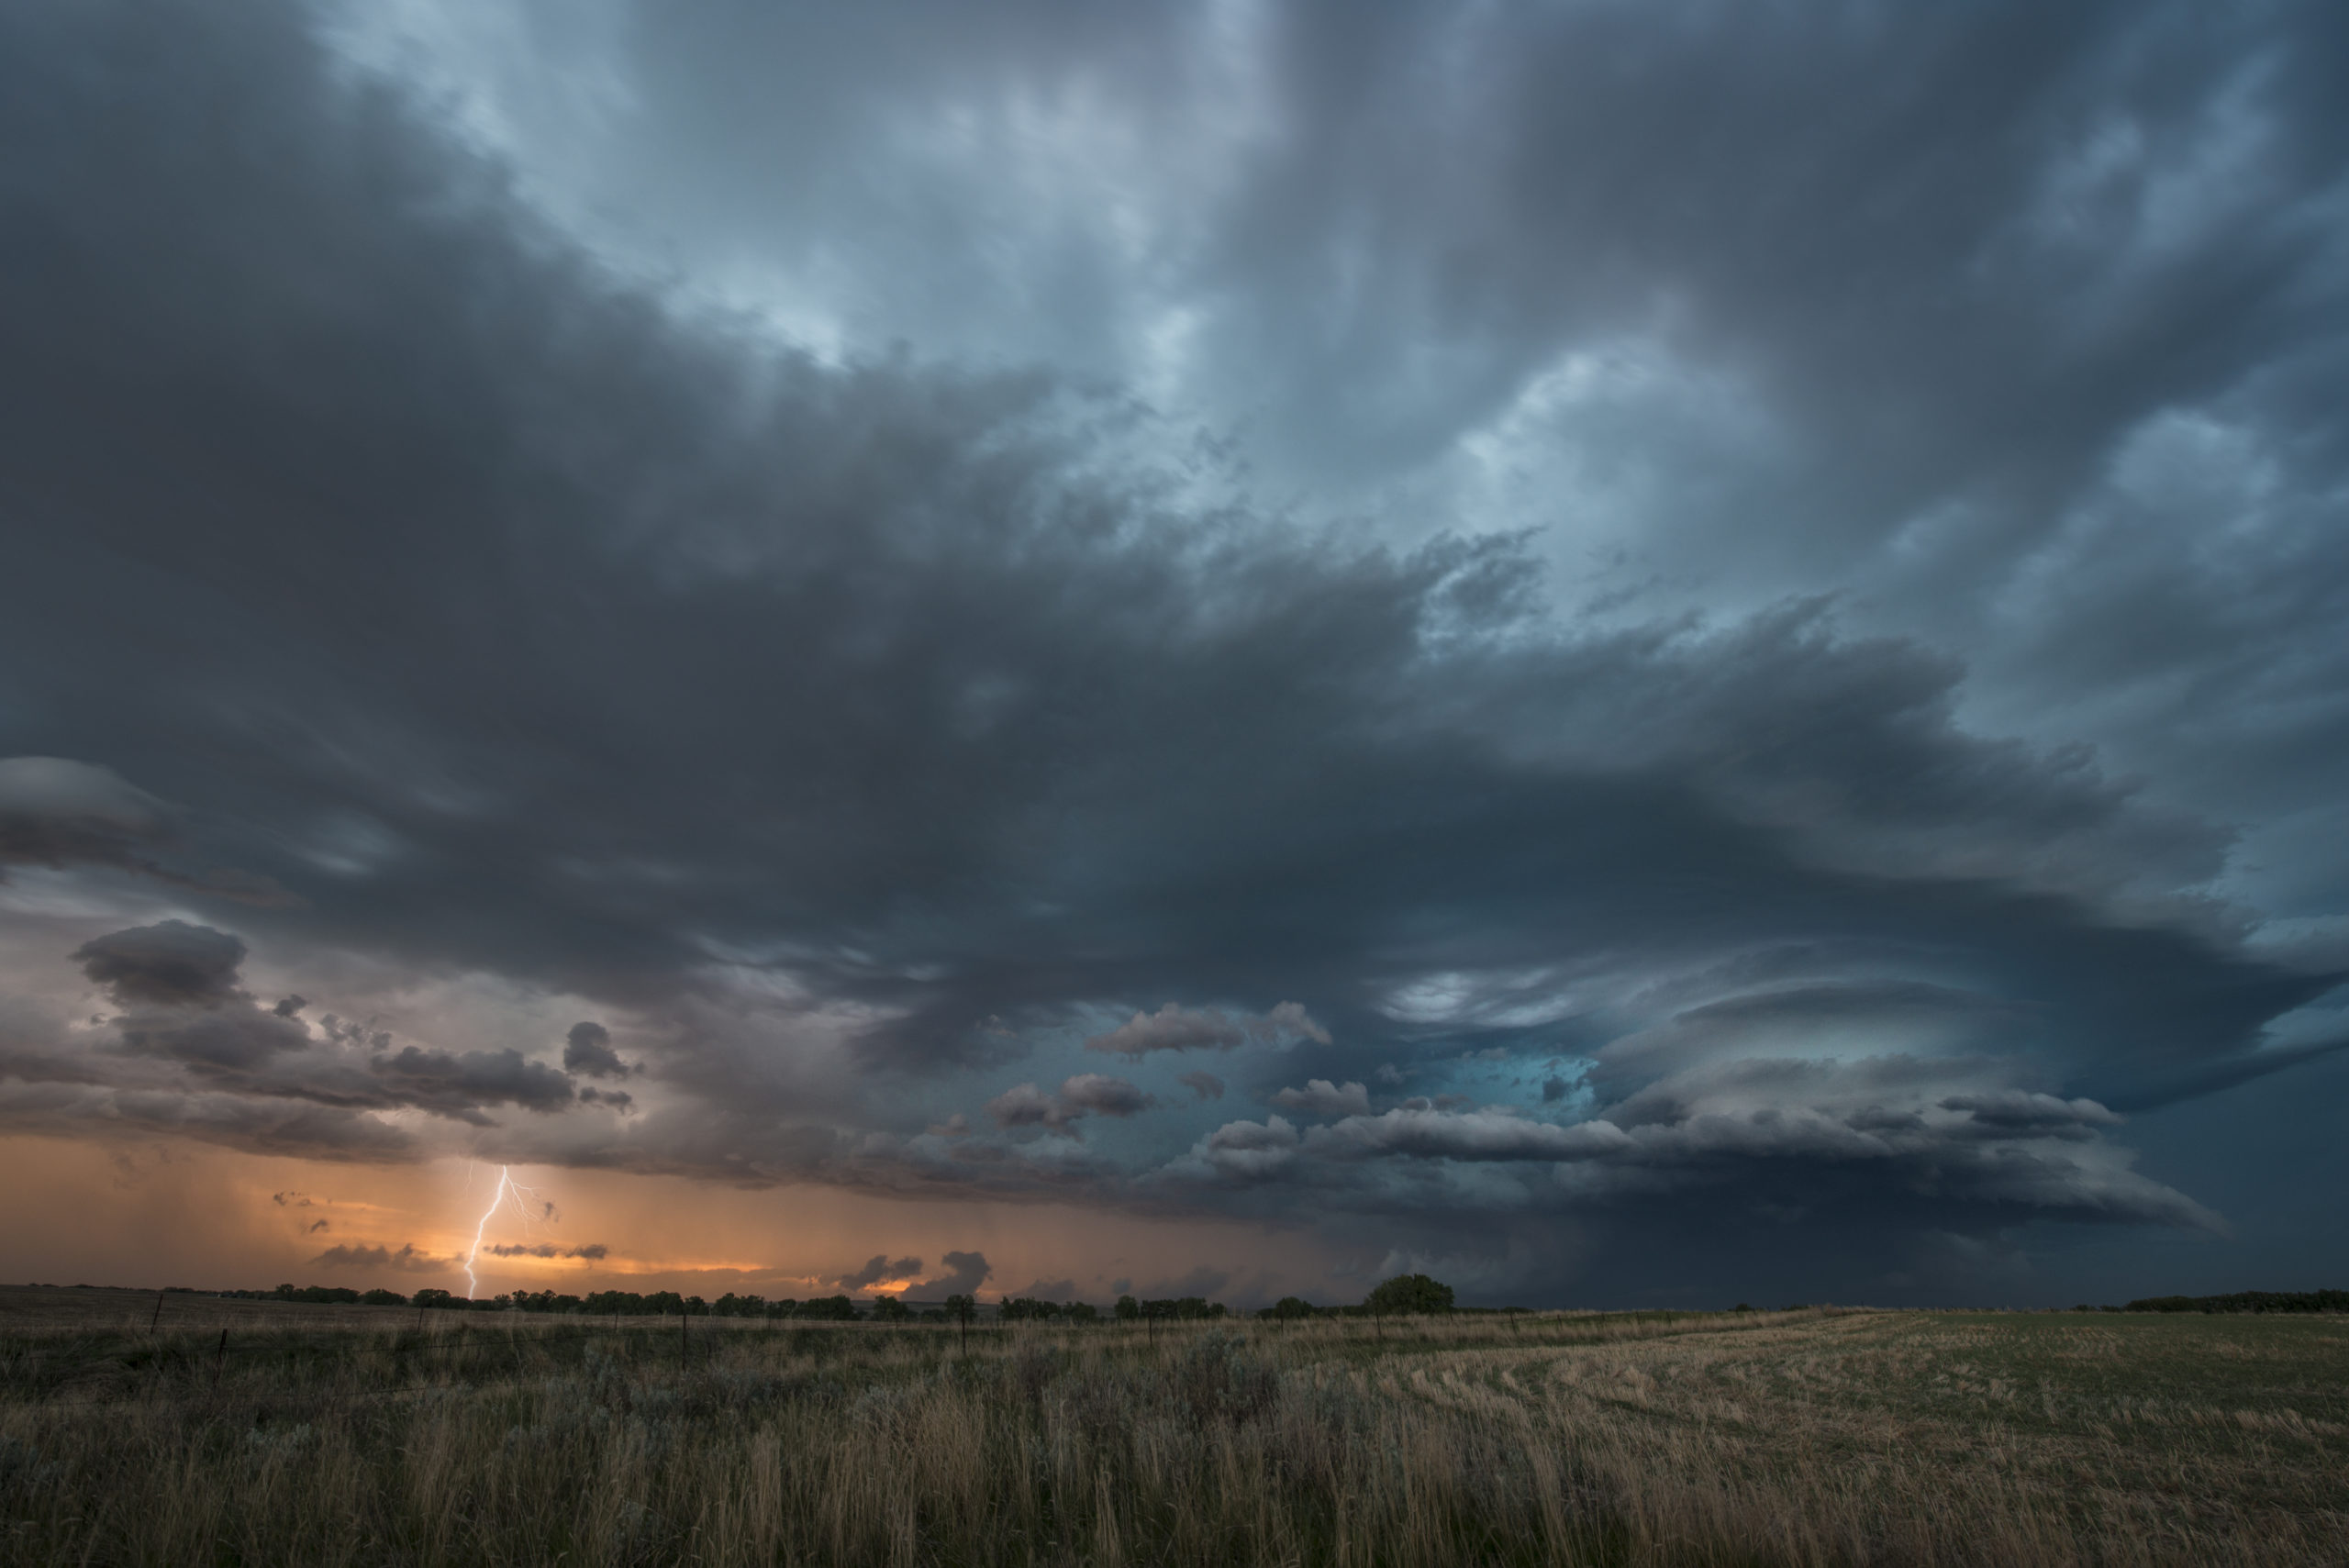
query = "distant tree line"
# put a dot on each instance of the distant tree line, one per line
(2246, 1301)
(1025, 1309)
(1403, 1295)
(611, 1303)
(1187, 1307)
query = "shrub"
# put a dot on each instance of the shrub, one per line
(1409, 1293)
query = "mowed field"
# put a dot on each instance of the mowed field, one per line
(252, 1432)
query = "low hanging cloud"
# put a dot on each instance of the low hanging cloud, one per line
(592, 1250)
(1322, 1098)
(1493, 1133)
(1204, 1085)
(878, 1268)
(406, 1259)
(1084, 1095)
(1243, 1151)
(587, 1051)
(1173, 1028)
(453, 1080)
(1758, 1123)
(1024, 1105)
(187, 1014)
(1097, 1093)
(58, 813)
(965, 1272)
(170, 963)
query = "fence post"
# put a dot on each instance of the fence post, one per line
(220, 1358)
(157, 1317)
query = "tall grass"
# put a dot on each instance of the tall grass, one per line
(1761, 1439)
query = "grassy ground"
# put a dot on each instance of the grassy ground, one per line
(358, 1436)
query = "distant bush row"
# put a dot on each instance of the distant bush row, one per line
(1405, 1294)
(625, 1303)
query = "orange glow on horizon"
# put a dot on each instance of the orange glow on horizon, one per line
(154, 1212)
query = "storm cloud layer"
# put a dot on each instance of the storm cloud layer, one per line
(1524, 636)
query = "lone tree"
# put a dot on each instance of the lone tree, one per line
(963, 1308)
(1406, 1294)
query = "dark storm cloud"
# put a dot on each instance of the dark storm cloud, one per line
(1049, 1290)
(845, 730)
(1084, 1095)
(1097, 1094)
(1173, 1028)
(1203, 1280)
(459, 1083)
(40, 1097)
(212, 1042)
(587, 1050)
(2024, 325)
(965, 1272)
(184, 1011)
(364, 1256)
(169, 963)
(56, 812)
(876, 1269)
(1322, 1098)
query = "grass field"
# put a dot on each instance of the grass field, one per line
(252, 1432)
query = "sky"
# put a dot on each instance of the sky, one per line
(1632, 654)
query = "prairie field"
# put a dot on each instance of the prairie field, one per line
(258, 1432)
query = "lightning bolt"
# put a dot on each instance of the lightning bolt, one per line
(508, 1190)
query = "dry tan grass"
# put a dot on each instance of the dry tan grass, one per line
(1811, 1437)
